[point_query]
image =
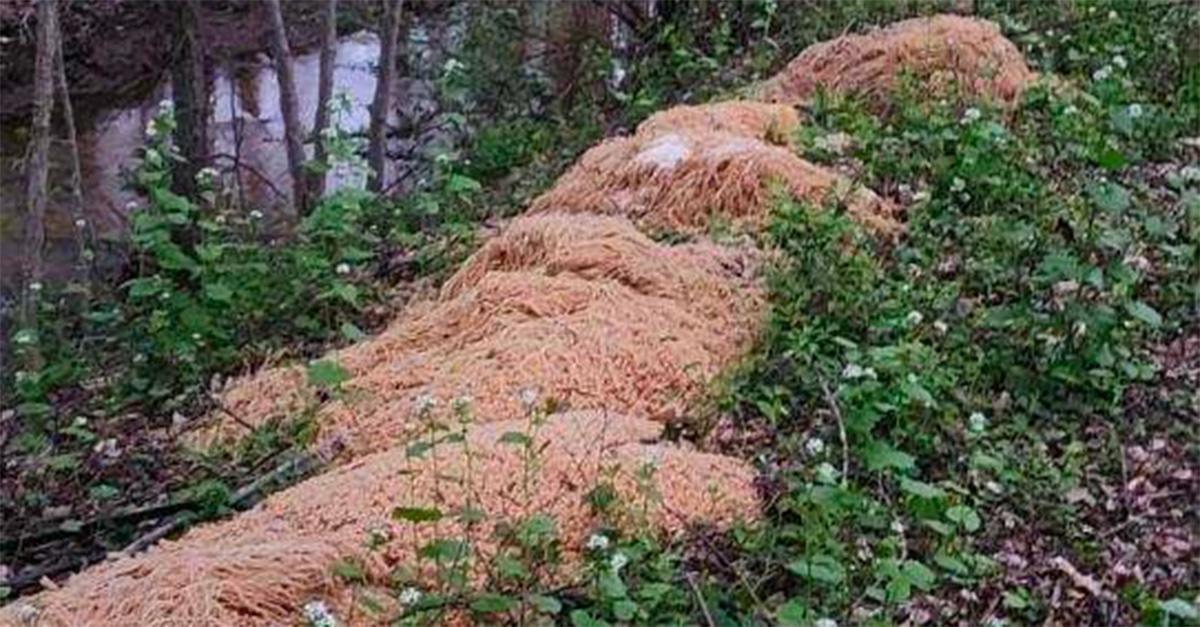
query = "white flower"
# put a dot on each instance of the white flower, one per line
(81, 223)
(957, 185)
(1102, 73)
(855, 371)
(151, 129)
(977, 422)
(426, 402)
(970, 115)
(825, 622)
(1190, 173)
(256, 215)
(1135, 110)
(1120, 62)
(597, 542)
(409, 596)
(220, 219)
(166, 105)
(528, 396)
(1070, 110)
(343, 268)
(914, 318)
(131, 205)
(35, 287)
(618, 562)
(814, 446)
(1112, 15)
(318, 614)
(196, 336)
(941, 327)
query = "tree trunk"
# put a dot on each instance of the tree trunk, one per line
(36, 168)
(324, 93)
(85, 236)
(382, 105)
(189, 90)
(293, 133)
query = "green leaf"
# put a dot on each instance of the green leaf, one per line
(492, 603)
(218, 292)
(327, 374)
(352, 332)
(624, 610)
(966, 517)
(515, 437)
(1180, 609)
(918, 574)
(545, 604)
(792, 614)
(880, 455)
(1110, 197)
(417, 514)
(921, 489)
(580, 618)
(1145, 313)
(444, 550)
(819, 568)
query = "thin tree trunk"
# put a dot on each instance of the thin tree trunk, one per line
(324, 94)
(36, 169)
(382, 105)
(293, 133)
(84, 233)
(190, 92)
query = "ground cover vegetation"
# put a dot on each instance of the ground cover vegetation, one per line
(991, 418)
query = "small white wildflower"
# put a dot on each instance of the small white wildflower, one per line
(1070, 110)
(343, 268)
(1080, 329)
(81, 223)
(151, 129)
(941, 327)
(970, 115)
(35, 287)
(426, 402)
(914, 318)
(814, 446)
(166, 104)
(957, 185)
(256, 215)
(1135, 110)
(131, 205)
(139, 358)
(528, 396)
(318, 614)
(597, 542)
(220, 219)
(1112, 15)
(977, 422)
(1120, 62)
(1102, 73)
(409, 596)
(825, 622)
(196, 336)
(618, 562)
(852, 371)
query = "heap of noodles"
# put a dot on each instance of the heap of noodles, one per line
(691, 168)
(569, 307)
(944, 54)
(260, 567)
(584, 310)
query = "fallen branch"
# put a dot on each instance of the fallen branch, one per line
(700, 599)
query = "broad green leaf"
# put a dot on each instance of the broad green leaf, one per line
(491, 603)
(965, 516)
(818, 567)
(880, 455)
(327, 374)
(1145, 313)
(545, 604)
(921, 489)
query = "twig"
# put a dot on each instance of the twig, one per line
(841, 423)
(700, 599)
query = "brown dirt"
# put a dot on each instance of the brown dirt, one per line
(258, 568)
(945, 53)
